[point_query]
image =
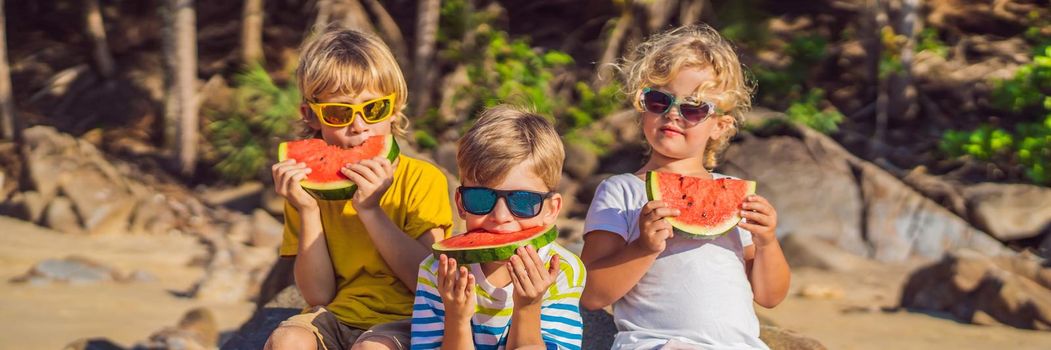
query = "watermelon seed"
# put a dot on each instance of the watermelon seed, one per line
(684, 196)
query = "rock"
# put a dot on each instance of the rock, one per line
(581, 161)
(588, 187)
(240, 230)
(266, 231)
(445, 157)
(277, 279)
(197, 330)
(153, 216)
(944, 192)
(816, 291)
(223, 284)
(803, 251)
(823, 192)
(598, 329)
(1010, 211)
(782, 339)
(979, 289)
(568, 188)
(93, 344)
(61, 217)
(28, 206)
(272, 202)
(570, 229)
(72, 270)
(141, 276)
(253, 333)
(243, 198)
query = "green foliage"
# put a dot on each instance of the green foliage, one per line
(744, 22)
(1027, 90)
(1028, 93)
(245, 134)
(780, 84)
(505, 69)
(425, 140)
(929, 42)
(808, 112)
(591, 104)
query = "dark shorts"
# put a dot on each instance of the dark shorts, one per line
(334, 335)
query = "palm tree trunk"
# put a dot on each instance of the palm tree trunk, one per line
(9, 123)
(252, 32)
(427, 17)
(613, 44)
(389, 31)
(181, 102)
(97, 31)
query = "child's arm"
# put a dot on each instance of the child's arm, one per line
(614, 267)
(531, 282)
(765, 262)
(313, 267)
(444, 306)
(455, 288)
(403, 254)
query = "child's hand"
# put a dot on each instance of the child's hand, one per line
(761, 220)
(457, 290)
(654, 231)
(287, 175)
(373, 177)
(529, 278)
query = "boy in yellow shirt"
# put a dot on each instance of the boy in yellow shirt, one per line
(356, 260)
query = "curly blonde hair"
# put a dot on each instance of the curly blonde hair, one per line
(349, 62)
(657, 60)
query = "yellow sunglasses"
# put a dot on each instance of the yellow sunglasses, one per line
(338, 115)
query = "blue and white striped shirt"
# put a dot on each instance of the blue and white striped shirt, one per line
(560, 322)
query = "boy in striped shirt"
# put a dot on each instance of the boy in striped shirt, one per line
(510, 163)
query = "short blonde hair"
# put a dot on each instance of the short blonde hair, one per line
(349, 62)
(656, 61)
(505, 136)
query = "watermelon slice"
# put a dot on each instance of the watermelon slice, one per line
(480, 246)
(708, 208)
(325, 181)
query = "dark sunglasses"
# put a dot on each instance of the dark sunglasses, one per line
(482, 200)
(660, 102)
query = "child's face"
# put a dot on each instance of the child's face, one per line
(500, 219)
(358, 130)
(670, 135)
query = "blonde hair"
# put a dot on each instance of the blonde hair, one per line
(505, 136)
(349, 62)
(656, 61)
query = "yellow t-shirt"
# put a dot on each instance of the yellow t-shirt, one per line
(367, 291)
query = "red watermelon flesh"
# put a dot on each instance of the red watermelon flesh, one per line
(483, 246)
(708, 208)
(325, 180)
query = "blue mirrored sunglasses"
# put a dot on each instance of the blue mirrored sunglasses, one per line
(482, 200)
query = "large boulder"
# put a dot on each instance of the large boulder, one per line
(1010, 211)
(1009, 290)
(253, 333)
(821, 190)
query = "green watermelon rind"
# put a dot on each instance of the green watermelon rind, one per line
(338, 190)
(495, 252)
(686, 230)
